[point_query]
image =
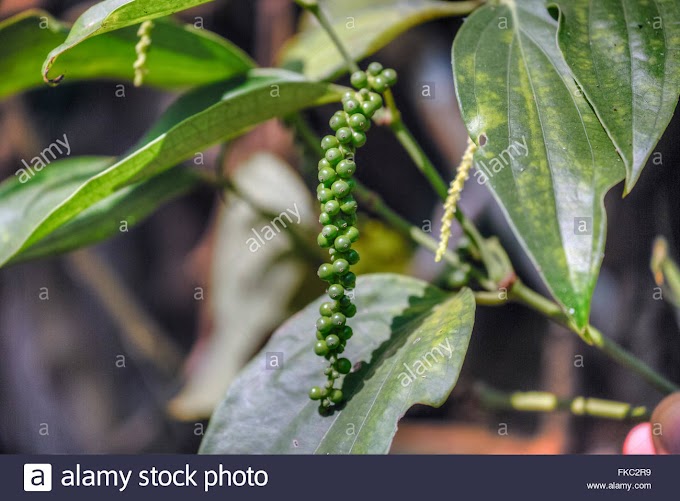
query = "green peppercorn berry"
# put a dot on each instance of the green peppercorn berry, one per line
(329, 142)
(344, 302)
(390, 76)
(379, 84)
(374, 68)
(315, 393)
(336, 291)
(346, 168)
(338, 120)
(328, 371)
(340, 189)
(326, 309)
(332, 341)
(342, 243)
(322, 241)
(323, 163)
(333, 155)
(348, 207)
(325, 272)
(352, 106)
(340, 266)
(348, 280)
(335, 396)
(350, 311)
(344, 135)
(359, 80)
(358, 139)
(320, 336)
(330, 231)
(324, 195)
(332, 207)
(346, 333)
(321, 348)
(343, 366)
(327, 176)
(359, 122)
(352, 256)
(368, 108)
(337, 319)
(325, 324)
(324, 218)
(335, 374)
(351, 232)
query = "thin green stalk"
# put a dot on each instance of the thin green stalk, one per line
(520, 293)
(542, 401)
(373, 202)
(312, 6)
(412, 147)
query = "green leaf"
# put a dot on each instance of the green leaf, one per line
(202, 118)
(546, 158)
(111, 15)
(403, 328)
(182, 56)
(625, 55)
(104, 219)
(364, 28)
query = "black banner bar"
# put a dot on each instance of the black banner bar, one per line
(346, 478)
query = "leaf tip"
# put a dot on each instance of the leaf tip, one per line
(46, 69)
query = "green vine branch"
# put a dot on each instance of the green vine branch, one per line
(541, 401)
(312, 6)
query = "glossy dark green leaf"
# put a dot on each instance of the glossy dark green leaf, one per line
(364, 28)
(202, 118)
(625, 55)
(128, 206)
(111, 15)
(410, 341)
(545, 155)
(182, 56)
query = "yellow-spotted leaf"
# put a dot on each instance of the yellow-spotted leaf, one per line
(542, 150)
(625, 55)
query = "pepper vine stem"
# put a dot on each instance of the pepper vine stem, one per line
(541, 401)
(522, 294)
(312, 6)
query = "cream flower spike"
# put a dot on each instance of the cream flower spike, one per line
(142, 48)
(452, 199)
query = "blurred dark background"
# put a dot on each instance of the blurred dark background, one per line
(62, 386)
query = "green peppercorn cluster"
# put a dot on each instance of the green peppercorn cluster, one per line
(338, 217)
